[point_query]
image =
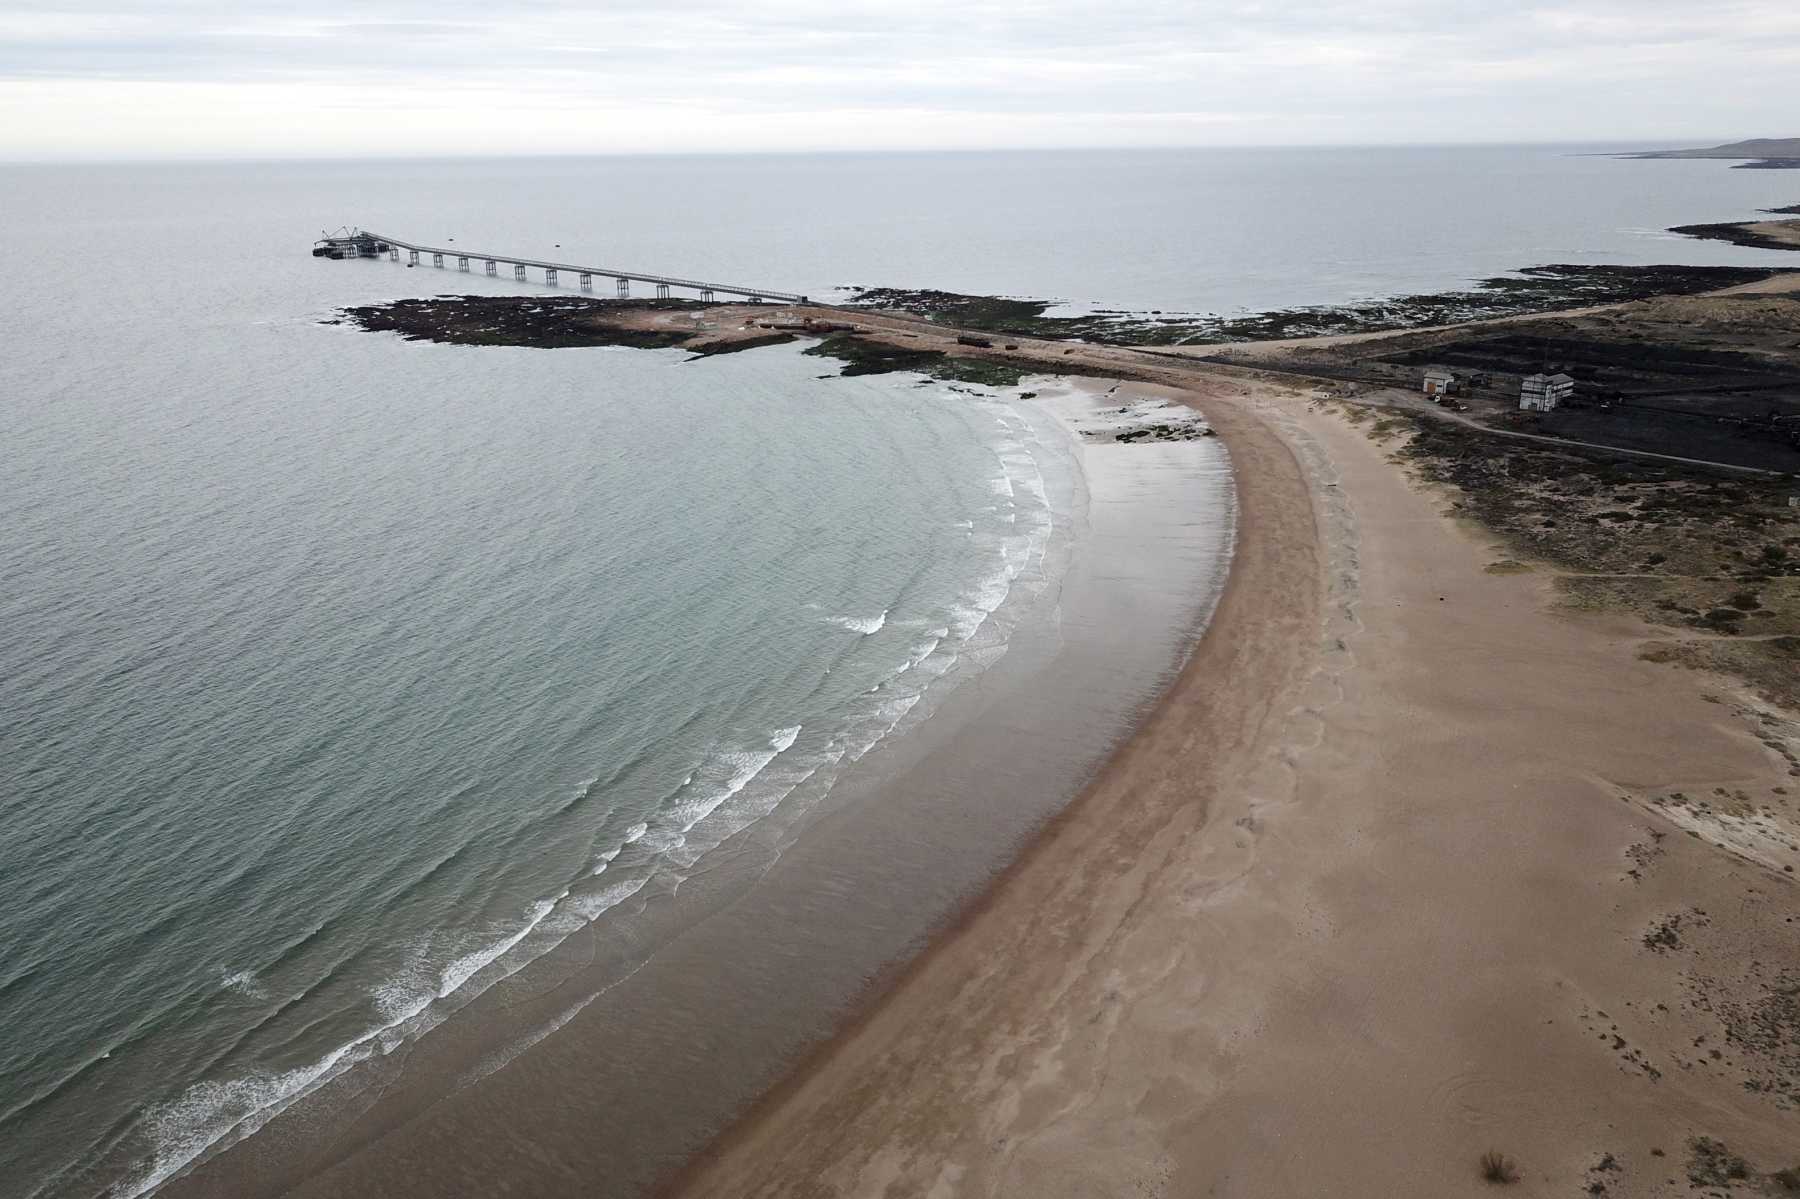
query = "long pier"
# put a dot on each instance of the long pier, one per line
(358, 245)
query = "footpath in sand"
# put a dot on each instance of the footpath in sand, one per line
(1384, 883)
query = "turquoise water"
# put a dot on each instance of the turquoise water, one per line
(344, 676)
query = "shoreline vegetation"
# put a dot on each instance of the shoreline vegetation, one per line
(1505, 702)
(1712, 560)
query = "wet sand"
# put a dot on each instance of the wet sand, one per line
(1383, 884)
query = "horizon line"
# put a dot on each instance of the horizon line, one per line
(224, 157)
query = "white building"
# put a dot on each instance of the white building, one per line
(1542, 393)
(1439, 382)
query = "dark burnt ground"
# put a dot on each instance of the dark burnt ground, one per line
(546, 322)
(1693, 402)
(1536, 289)
(1738, 441)
(1709, 377)
(1628, 365)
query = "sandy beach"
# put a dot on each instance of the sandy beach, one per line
(1382, 885)
(1145, 683)
(1410, 863)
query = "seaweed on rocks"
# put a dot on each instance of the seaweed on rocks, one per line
(544, 322)
(861, 356)
(998, 313)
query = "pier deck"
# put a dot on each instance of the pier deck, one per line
(553, 270)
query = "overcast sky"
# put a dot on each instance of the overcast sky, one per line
(92, 78)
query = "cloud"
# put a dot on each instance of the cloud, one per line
(206, 76)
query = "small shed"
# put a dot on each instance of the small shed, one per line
(1542, 393)
(1439, 382)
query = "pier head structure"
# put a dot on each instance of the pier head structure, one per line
(362, 243)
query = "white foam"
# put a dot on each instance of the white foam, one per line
(244, 982)
(894, 709)
(749, 805)
(469, 965)
(209, 1112)
(980, 602)
(590, 907)
(745, 766)
(406, 994)
(924, 650)
(733, 799)
(862, 624)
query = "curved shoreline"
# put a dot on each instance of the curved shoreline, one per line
(1409, 892)
(425, 1120)
(1016, 1017)
(1212, 720)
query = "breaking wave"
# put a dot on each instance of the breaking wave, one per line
(862, 624)
(731, 787)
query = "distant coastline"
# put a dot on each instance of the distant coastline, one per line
(1762, 153)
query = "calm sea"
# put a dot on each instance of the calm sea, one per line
(341, 677)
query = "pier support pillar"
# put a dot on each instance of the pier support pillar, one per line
(412, 258)
(437, 260)
(519, 272)
(624, 289)
(493, 268)
(393, 254)
(662, 291)
(587, 281)
(549, 276)
(462, 264)
(706, 294)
